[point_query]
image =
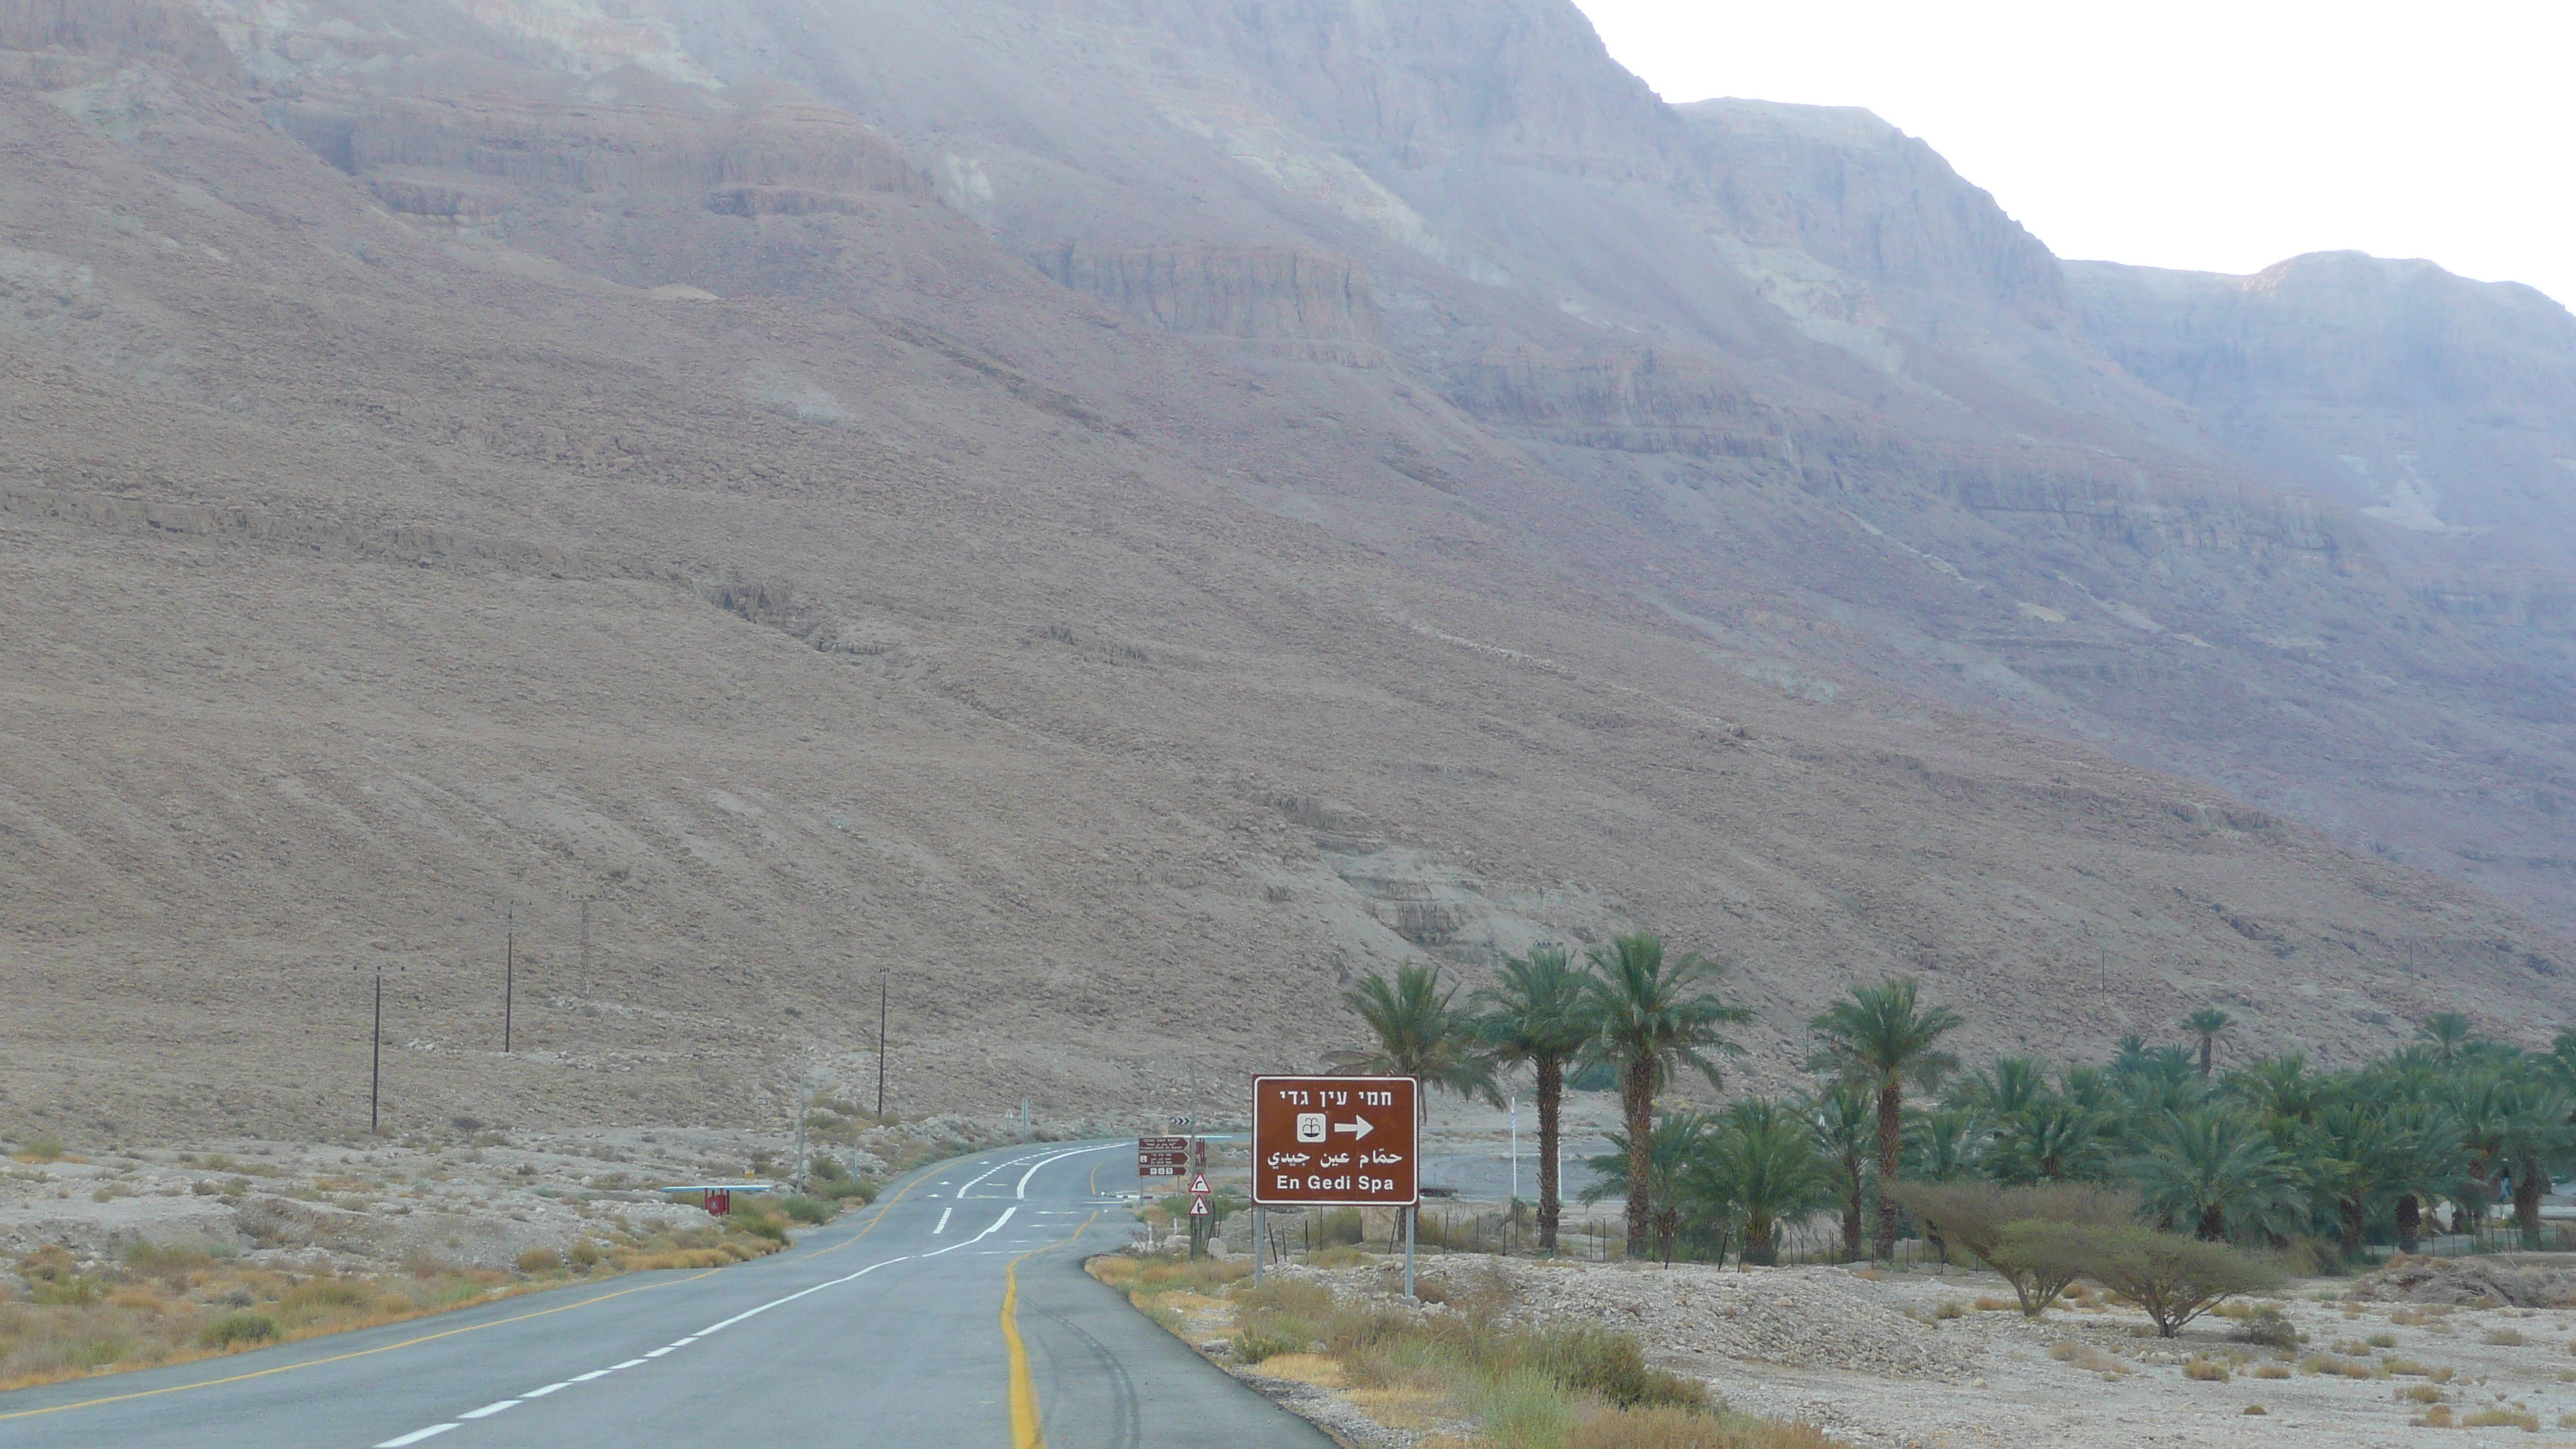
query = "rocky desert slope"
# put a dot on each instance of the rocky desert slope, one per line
(1127, 515)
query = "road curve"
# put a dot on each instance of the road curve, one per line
(955, 1312)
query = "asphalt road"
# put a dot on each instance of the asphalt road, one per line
(954, 1313)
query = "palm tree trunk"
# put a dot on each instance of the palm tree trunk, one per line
(1891, 1142)
(1760, 1250)
(2355, 1218)
(1852, 1209)
(2529, 1182)
(1637, 1094)
(2213, 1224)
(2410, 1223)
(2205, 1044)
(1551, 1096)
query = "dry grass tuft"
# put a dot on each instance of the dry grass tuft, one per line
(1678, 1429)
(2207, 1370)
(2522, 1419)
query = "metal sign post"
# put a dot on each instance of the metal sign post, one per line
(1338, 1142)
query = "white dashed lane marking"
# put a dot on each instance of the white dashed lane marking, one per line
(1020, 1191)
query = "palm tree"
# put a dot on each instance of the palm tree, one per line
(1839, 1117)
(1535, 1013)
(2217, 1172)
(1758, 1170)
(2012, 1084)
(1678, 1140)
(2061, 1139)
(2206, 1024)
(1880, 1040)
(1420, 1034)
(2447, 1033)
(1650, 1018)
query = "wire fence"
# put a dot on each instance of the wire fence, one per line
(1820, 1242)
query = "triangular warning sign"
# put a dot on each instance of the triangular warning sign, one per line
(1199, 1183)
(1198, 1207)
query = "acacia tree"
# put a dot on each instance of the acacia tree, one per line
(2205, 1024)
(1878, 1041)
(1420, 1032)
(1651, 1017)
(1536, 1012)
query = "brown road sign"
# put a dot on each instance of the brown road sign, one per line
(1334, 1141)
(1162, 1156)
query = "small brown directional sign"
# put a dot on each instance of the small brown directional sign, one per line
(1334, 1141)
(1162, 1156)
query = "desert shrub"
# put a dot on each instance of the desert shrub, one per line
(2271, 1371)
(2505, 1337)
(2522, 1419)
(1612, 1367)
(324, 1293)
(807, 1210)
(41, 1149)
(2382, 1340)
(2207, 1370)
(2421, 1394)
(1253, 1346)
(540, 1260)
(2173, 1278)
(1975, 1216)
(586, 1255)
(234, 1329)
(2266, 1326)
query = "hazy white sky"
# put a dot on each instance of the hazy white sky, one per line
(2219, 137)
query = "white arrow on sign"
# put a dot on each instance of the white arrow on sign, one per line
(1359, 1130)
(1199, 1185)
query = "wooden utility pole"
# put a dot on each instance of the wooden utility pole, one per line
(885, 979)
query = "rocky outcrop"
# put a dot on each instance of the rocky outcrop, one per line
(424, 156)
(67, 42)
(1642, 401)
(1850, 190)
(1318, 302)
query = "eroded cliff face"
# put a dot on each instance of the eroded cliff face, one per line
(763, 467)
(1300, 303)
(2443, 410)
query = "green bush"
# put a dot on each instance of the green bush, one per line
(541, 1260)
(1252, 1346)
(807, 1210)
(238, 1328)
(1976, 1217)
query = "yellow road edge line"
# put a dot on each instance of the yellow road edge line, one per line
(286, 1368)
(1027, 1431)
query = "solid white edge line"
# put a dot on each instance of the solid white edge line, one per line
(415, 1436)
(1059, 1157)
(488, 1410)
(792, 1297)
(979, 1237)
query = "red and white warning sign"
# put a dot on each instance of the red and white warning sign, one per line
(1199, 1185)
(1198, 1207)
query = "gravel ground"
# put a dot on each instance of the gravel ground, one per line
(1872, 1360)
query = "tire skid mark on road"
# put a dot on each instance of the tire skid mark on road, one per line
(1028, 1428)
